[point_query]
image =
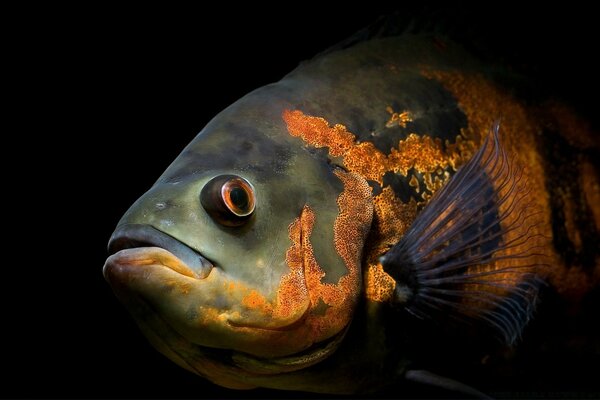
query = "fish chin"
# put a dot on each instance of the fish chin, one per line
(171, 306)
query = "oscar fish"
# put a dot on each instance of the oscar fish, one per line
(389, 189)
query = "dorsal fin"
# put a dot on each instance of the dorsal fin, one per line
(460, 24)
(475, 250)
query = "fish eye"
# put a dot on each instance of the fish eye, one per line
(238, 196)
(229, 199)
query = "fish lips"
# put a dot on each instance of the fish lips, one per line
(137, 244)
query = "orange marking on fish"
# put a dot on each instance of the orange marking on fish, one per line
(301, 290)
(318, 132)
(391, 216)
(379, 285)
(293, 293)
(400, 119)
(256, 301)
(350, 229)
(421, 153)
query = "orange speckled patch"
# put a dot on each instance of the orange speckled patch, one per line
(419, 152)
(391, 216)
(318, 132)
(292, 290)
(350, 229)
(366, 160)
(256, 301)
(400, 119)
(292, 299)
(381, 286)
(301, 294)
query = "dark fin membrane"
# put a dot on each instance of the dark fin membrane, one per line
(463, 25)
(476, 250)
(419, 19)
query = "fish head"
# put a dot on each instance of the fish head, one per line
(243, 260)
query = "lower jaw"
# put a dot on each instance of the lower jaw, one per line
(228, 368)
(295, 362)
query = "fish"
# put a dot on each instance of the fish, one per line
(335, 231)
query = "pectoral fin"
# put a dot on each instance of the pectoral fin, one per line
(476, 250)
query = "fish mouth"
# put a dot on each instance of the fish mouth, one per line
(169, 251)
(136, 245)
(138, 251)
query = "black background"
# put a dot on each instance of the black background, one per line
(103, 99)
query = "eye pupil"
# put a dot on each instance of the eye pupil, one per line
(239, 198)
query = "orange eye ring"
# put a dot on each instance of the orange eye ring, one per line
(238, 196)
(229, 199)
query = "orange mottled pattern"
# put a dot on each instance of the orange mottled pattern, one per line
(318, 132)
(391, 216)
(292, 290)
(350, 229)
(326, 308)
(423, 153)
(381, 285)
(400, 119)
(483, 102)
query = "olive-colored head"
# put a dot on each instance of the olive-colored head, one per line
(243, 259)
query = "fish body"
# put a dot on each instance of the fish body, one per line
(297, 242)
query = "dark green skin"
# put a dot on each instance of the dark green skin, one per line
(352, 87)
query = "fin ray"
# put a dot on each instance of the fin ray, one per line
(476, 248)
